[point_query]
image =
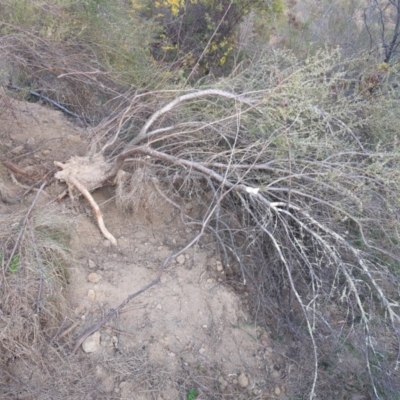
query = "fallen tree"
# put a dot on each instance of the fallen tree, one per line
(296, 183)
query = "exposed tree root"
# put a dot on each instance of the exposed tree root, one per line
(96, 209)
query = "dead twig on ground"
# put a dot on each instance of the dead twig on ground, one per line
(113, 312)
(22, 228)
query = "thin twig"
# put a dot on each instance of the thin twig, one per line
(23, 227)
(28, 188)
(58, 331)
(208, 43)
(112, 312)
(40, 264)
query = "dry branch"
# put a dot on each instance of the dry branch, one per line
(286, 189)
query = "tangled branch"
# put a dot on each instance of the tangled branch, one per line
(303, 207)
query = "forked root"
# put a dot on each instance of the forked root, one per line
(96, 210)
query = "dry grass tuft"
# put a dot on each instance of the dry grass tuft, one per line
(32, 306)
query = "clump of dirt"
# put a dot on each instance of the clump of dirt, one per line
(188, 335)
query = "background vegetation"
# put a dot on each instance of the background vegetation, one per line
(291, 135)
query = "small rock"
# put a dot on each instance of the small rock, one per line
(220, 268)
(94, 277)
(277, 391)
(73, 139)
(92, 343)
(46, 152)
(275, 374)
(107, 380)
(205, 326)
(91, 264)
(80, 309)
(17, 150)
(100, 371)
(202, 350)
(181, 259)
(223, 384)
(91, 295)
(159, 248)
(159, 307)
(107, 385)
(243, 381)
(106, 243)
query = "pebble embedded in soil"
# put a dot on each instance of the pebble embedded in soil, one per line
(275, 374)
(223, 384)
(107, 380)
(181, 259)
(243, 381)
(107, 385)
(92, 343)
(80, 309)
(277, 391)
(91, 295)
(73, 139)
(220, 268)
(94, 277)
(91, 264)
(17, 150)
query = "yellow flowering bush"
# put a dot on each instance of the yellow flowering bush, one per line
(199, 36)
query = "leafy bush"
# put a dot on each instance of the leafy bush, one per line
(199, 36)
